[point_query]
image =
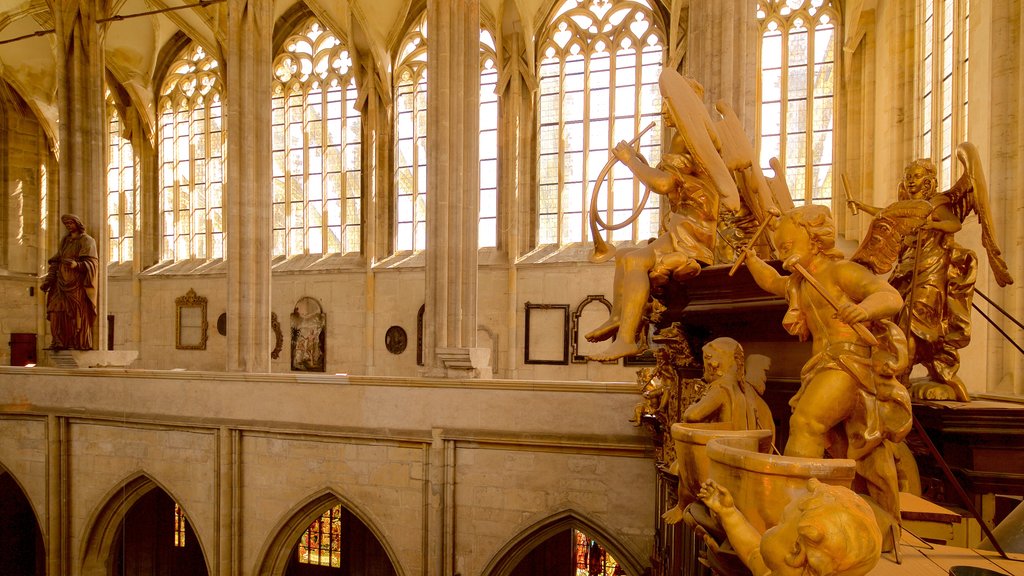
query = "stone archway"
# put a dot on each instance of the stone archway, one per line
(134, 511)
(369, 549)
(508, 559)
(22, 550)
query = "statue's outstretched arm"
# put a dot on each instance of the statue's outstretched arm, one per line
(745, 539)
(766, 277)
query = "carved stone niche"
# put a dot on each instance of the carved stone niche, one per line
(191, 326)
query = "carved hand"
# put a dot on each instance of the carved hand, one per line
(715, 497)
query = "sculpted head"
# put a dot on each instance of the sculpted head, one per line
(72, 223)
(831, 530)
(805, 232)
(920, 180)
(722, 357)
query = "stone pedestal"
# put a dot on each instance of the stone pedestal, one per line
(465, 362)
(90, 358)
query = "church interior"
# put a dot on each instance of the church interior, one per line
(345, 294)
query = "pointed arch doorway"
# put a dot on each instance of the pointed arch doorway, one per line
(21, 541)
(326, 537)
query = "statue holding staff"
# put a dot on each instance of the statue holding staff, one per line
(850, 399)
(934, 275)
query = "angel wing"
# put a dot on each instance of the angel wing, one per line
(970, 194)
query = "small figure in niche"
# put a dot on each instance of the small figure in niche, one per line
(308, 336)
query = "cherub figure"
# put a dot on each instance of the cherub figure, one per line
(828, 531)
(731, 397)
(934, 275)
(698, 176)
(850, 399)
(694, 195)
(655, 394)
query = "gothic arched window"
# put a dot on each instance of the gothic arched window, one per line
(122, 196)
(797, 93)
(411, 141)
(488, 230)
(944, 57)
(316, 132)
(320, 544)
(599, 67)
(191, 140)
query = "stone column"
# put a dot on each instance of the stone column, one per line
(996, 126)
(721, 54)
(453, 184)
(250, 29)
(81, 170)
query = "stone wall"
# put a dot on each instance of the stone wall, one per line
(442, 471)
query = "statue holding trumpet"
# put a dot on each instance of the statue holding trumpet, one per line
(697, 175)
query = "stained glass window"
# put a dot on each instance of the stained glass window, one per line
(179, 527)
(320, 544)
(488, 230)
(316, 132)
(122, 195)
(411, 141)
(944, 53)
(797, 94)
(599, 67)
(591, 559)
(191, 140)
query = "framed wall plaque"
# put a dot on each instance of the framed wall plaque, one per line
(190, 325)
(547, 334)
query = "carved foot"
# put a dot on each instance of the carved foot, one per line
(615, 351)
(604, 331)
(673, 516)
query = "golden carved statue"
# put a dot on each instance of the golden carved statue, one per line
(731, 407)
(735, 385)
(934, 275)
(850, 398)
(829, 530)
(698, 175)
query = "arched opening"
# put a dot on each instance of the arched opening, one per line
(156, 538)
(21, 541)
(563, 544)
(327, 537)
(142, 530)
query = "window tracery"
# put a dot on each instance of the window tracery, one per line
(316, 143)
(488, 228)
(320, 544)
(122, 195)
(944, 72)
(411, 141)
(191, 141)
(598, 75)
(797, 65)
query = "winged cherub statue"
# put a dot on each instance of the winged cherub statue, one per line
(915, 238)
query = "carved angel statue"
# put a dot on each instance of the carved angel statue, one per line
(698, 176)
(735, 385)
(934, 275)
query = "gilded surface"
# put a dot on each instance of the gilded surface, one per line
(850, 398)
(828, 530)
(715, 191)
(915, 238)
